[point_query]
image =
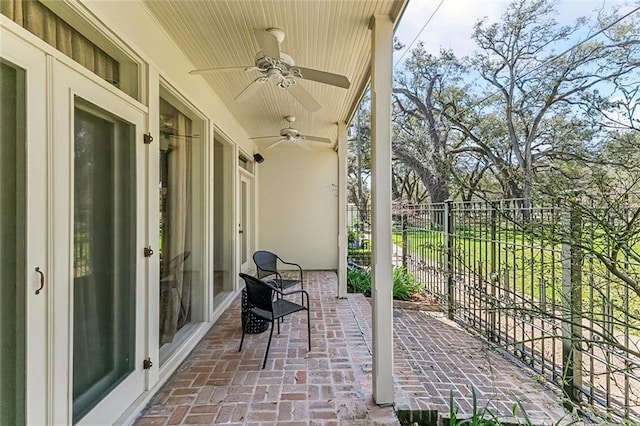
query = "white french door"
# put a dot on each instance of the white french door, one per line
(73, 174)
(99, 207)
(24, 266)
(244, 221)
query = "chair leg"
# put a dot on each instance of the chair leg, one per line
(280, 320)
(309, 328)
(241, 340)
(266, 354)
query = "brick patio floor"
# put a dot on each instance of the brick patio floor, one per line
(331, 385)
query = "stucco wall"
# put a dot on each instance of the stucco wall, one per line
(298, 201)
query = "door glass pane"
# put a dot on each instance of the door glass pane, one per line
(12, 249)
(243, 221)
(224, 231)
(181, 223)
(104, 255)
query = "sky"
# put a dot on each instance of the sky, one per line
(452, 24)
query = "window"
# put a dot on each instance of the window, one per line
(104, 255)
(181, 192)
(245, 163)
(89, 50)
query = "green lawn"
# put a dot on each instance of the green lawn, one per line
(525, 265)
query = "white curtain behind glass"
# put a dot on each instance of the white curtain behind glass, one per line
(42, 22)
(176, 241)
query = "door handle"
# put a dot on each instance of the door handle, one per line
(41, 280)
(241, 232)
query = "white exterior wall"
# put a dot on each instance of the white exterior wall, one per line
(298, 199)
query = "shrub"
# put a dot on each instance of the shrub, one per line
(359, 280)
(404, 283)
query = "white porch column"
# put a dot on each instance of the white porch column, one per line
(381, 277)
(342, 210)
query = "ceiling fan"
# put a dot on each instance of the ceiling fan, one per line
(278, 67)
(289, 134)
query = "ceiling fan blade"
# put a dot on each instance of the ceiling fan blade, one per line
(303, 145)
(249, 91)
(275, 143)
(268, 43)
(304, 97)
(218, 70)
(265, 137)
(315, 139)
(324, 77)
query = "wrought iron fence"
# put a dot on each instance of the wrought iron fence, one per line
(557, 289)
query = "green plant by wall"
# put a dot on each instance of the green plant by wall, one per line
(483, 416)
(359, 281)
(478, 416)
(405, 286)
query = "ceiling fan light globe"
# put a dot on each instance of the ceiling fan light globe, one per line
(286, 83)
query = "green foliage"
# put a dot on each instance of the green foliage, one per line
(479, 417)
(405, 286)
(359, 281)
(361, 256)
(353, 236)
(487, 125)
(360, 252)
(485, 417)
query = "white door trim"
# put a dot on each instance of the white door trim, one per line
(68, 83)
(248, 228)
(37, 380)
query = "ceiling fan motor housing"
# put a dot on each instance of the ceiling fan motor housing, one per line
(290, 132)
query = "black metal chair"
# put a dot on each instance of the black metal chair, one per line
(264, 305)
(267, 266)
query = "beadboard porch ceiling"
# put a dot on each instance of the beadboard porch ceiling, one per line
(328, 35)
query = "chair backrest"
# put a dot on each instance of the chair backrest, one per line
(266, 263)
(259, 293)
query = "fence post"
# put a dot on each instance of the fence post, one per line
(572, 307)
(494, 275)
(448, 250)
(405, 239)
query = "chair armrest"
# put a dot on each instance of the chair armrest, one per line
(291, 263)
(297, 266)
(288, 293)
